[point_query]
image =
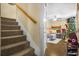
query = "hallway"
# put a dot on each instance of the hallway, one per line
(42, 29)
(60, 24)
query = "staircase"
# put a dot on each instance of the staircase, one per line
(13, 42)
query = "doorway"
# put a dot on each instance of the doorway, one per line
(57, 28)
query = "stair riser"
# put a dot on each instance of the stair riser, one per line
(7, 19)
(11, 33)
(10, 27)
(13, 50)
(8, 23)
(12, 40)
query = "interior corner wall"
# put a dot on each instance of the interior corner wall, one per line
(78, 25)
(8, 11)
(78, 20)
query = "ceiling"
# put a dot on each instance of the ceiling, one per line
(61, 10)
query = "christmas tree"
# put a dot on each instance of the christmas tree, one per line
(71, 25)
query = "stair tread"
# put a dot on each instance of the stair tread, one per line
(13, 45)
(9, 30)
(7, 21)
(8, 18)
(13, 39)
(12, 36)
(9, 25)
(23, 52)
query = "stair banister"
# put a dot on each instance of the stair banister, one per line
(26, 13)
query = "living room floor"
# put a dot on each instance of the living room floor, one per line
(56, 49)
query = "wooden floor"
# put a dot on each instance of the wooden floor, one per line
(59, 49)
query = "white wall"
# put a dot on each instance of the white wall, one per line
(31, 29)
(8, 10)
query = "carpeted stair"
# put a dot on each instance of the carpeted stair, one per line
(13, 42)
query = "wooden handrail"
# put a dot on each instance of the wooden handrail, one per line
(26, 14)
